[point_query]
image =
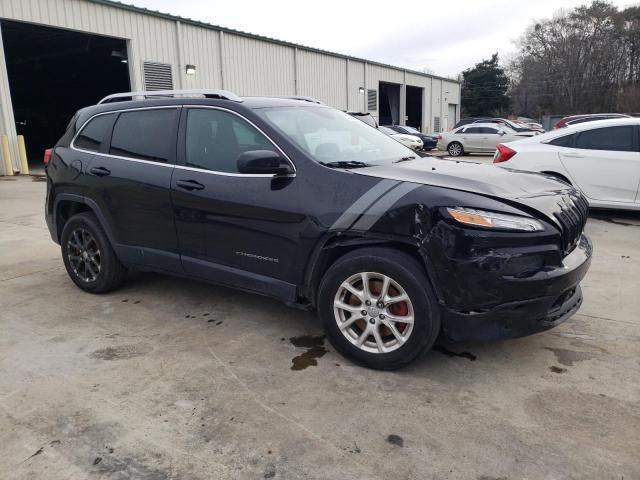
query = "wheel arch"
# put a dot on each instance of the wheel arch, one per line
(67, 204)
(334, 247)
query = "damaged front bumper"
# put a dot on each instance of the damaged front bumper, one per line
(531, 303)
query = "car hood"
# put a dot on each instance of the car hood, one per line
(533, 190)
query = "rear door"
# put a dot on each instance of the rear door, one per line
(129, 181)
(233, 228)
(491, 138)
(605, 162)
(472, 138)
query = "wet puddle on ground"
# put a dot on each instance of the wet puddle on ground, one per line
(315, 349)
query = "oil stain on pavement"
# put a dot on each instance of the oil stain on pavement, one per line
(315, 349)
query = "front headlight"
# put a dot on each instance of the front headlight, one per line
(504, 221)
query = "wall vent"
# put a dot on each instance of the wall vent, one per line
(157, 76)
(436, 124)
(372, 100)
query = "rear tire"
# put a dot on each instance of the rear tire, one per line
(389, 343)
(88, 256)
(455, 149)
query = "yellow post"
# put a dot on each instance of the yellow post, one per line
(4, 146)
(22, 153)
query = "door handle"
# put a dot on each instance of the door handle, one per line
(100, 171)
(573, 155)
(189, 185)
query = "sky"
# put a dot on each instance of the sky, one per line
(443, 37)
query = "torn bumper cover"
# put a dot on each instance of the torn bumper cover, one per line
(533, 303)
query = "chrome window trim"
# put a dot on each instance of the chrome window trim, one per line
(231, 174)
(184, 167)
(72, 145)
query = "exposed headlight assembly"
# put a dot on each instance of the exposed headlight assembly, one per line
(500, 221)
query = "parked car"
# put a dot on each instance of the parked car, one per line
(535, 126)
(575, 119)
(364, 117)
(468, 120)
(304, 203)
(428, 141)
(601, 158)
(513, 125)
(476, 138)
(410, 141)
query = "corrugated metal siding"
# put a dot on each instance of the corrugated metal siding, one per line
(247, 66)
(252, 67)
(357, 100)
(323, 77)
(201, 47)
(376, 73)
(151, 38)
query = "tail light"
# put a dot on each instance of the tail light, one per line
(47, 155)
(439, 137)
(504, 153)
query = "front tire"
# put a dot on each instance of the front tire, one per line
(378, 308)
(88, 256)
(455, 149)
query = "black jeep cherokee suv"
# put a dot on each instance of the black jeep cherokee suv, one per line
(307, 204)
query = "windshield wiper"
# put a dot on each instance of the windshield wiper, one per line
(405, 159)
(346, 164)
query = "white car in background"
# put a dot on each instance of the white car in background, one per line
(601, 158)
(476, 138)
(410, 141)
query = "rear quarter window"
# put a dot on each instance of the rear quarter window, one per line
(565, 141)
(93, 134)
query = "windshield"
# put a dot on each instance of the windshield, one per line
(387, 130)
(330, 136)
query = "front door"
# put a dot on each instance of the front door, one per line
(605, 163)
(233, 228)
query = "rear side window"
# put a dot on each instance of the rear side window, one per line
(473, 130)
(92, 135)
(144, 134)
(618, 139)
(565, 141)
(215, 139)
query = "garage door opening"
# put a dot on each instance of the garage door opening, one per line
(54, 72)
(389, 104)
(414, 107)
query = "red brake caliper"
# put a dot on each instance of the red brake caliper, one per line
(399, 309)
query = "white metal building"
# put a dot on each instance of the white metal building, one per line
(59, 55)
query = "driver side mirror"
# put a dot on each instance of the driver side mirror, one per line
(501, 132)
(263, 162)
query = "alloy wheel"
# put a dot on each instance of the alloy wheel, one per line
(374, 312)
(455, 149)
(84, 256)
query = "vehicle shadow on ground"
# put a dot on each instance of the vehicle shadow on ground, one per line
(198, 302)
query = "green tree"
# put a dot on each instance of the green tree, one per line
(484, 89)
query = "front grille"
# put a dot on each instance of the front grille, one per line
(572, 216)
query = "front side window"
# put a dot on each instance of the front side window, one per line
(329, 136)
(94, 132)
(474, 130)
(618, 139)
(215, 139)
(144, 134)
